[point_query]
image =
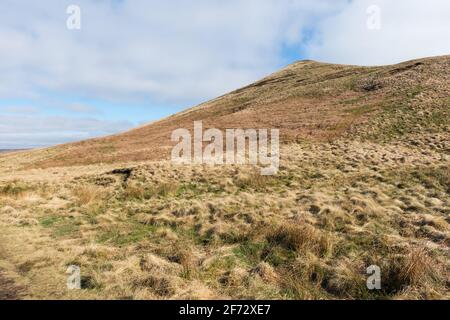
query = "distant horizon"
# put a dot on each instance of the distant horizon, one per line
(12, 150)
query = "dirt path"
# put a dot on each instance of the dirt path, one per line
(8, 290)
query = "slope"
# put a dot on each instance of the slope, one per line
(307, 101)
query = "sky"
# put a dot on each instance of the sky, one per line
(109, 65)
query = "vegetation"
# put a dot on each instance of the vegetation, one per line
(364, 180)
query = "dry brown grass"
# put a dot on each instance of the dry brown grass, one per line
(15, 189)
(88, 194)
(308, 233)
(254, 181)
(301, 239)
(134, 192)
(345, 198)
(140, 192)
(415, 269)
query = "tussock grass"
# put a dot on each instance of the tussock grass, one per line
(301, 239)
(161, 285)
(88, 194)
(15, 188)
(146, 192)
(254, 181)
(225, 232)
(135, 192)
(416, 268)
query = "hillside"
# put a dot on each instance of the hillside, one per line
(307, 101)
(364, 180)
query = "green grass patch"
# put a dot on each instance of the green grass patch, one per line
(250, 252)
(213, 272)
(65, 229)
(123, 237)
(47, 222)
(361, 110)
(431, 177)
(60, 226)
(188, 190)
(277, 256)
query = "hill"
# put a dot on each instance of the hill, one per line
(364, 181)
(307, 101)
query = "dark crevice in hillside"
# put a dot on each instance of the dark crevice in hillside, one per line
(125, 172)
(405, 68)
(8, 289)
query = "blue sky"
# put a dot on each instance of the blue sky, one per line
(135, 61)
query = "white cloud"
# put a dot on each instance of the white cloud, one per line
(409, 29)
(19, 109)
(26, 131)
(178, 51)
(160, 50)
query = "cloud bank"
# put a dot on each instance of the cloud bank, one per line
(160, 50)
(409, 29)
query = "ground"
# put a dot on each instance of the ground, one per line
(8, 290)
(226, 232)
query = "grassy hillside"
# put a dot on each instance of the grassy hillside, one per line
(307, 101)
(364, 180)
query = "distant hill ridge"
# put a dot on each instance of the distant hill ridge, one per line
(11, 150)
